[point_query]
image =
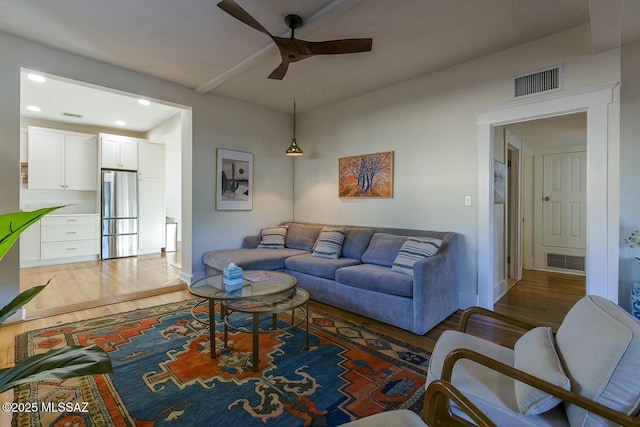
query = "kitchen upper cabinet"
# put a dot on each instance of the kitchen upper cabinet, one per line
(151, 160)
(119, 152)
(60, 160)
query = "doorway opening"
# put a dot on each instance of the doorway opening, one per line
(69, 110)
(601, 225)
(545, 207)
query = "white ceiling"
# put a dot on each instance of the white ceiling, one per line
(98, 107)
(196, 44)
(565, 130)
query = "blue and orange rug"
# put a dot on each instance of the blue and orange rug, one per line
(164, 375)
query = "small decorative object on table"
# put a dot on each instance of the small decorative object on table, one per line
(232, 277)
(633, 241)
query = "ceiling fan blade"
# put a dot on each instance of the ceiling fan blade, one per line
(278, 73)
(232, 8)
(334, 47)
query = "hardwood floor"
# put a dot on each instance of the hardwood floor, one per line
(84, 285)
(540, 298)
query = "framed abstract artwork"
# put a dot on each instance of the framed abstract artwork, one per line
(499, 182)
(234, 180)
(366, 176)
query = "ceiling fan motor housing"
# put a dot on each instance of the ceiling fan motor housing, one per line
(293, 21)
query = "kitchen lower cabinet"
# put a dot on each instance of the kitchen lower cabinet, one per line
(69, 238)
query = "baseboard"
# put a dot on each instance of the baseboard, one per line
(186, 278)
(467, 300)
(18, 316)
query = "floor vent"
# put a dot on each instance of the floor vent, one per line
(539, 82)
(566, 262)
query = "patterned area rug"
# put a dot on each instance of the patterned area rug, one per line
(164, 375)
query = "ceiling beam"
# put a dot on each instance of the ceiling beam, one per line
(606, 18)
(325, 15)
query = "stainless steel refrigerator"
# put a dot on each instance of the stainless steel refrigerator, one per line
(119, 214)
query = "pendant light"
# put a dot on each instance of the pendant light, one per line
(293, 149)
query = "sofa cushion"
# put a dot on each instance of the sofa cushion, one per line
(356, 241)
(413, 250)
(273, 237)
(329, 243)
(250, 259)
(383, 248)
(316, 266)
(301, 236)
(376, 278)
(599, 345)
(535, 354)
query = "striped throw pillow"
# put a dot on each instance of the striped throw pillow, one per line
(413, 250)
(273, 237)
(329, 243)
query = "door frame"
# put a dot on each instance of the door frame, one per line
(602, 155)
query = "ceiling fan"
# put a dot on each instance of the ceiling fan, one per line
(292, 49)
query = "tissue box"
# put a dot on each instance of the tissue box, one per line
(232, 277)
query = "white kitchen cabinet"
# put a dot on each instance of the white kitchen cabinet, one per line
(151, 160)
(151, 197)
(118, 152)
(69, 236)
(151, 215)
(60, 160)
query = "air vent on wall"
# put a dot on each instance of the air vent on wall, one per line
(566, 262)
(74, 115)
(542, 81)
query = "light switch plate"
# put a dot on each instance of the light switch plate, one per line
(467, 200)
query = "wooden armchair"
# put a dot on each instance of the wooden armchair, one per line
(587, 374)
(436, 413)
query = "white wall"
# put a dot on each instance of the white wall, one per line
(629, 167)
(217, 122)
(430, 123)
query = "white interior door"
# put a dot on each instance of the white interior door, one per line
(564, 206)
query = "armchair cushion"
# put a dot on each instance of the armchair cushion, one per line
(535, 354)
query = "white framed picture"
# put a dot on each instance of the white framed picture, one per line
(234, 176)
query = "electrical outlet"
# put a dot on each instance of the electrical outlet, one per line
(467, 200)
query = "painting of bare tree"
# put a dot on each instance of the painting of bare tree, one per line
(367, 175)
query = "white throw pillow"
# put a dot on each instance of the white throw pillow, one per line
(329, 243)
(535, 353)
(273, 237)
(414, 249)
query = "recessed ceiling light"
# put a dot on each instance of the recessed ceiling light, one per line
(36, 77)
(144, 102)
(121, 122)
(33, 108)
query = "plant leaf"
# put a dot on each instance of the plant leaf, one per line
(12, 224)
(58, 364)
(20, 300)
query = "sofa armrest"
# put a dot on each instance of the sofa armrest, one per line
(435, 284)
(566, 395)
(251, 242)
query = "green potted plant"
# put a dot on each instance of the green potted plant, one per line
(633, 242)
(58, 364)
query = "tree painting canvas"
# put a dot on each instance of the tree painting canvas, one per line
(366, 176)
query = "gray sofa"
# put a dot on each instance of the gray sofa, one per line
(361, 280)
